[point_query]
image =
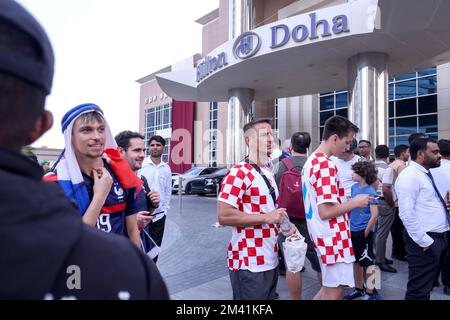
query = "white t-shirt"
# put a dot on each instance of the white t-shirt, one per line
(441, 176)
(345, 172)
(251, 248)
(159, 178)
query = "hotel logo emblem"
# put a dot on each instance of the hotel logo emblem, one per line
(246, 45)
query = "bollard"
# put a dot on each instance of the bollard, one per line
(180, 192)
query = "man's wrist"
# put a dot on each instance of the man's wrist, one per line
(98, 197)
(264, 219)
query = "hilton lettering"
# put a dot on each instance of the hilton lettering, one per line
(211, 64)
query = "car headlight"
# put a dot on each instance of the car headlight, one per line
(209, 181)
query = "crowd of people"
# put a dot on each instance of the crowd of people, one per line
(102, 209)
(344, 202)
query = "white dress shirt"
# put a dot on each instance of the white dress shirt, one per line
(159, 178)
(345, 172)
(441, 176)
(419, 206)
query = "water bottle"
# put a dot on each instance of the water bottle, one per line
(285, 226)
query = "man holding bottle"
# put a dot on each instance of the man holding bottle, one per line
(248, 202)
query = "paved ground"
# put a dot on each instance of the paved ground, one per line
(193, 258)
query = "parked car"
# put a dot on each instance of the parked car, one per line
(188, 176)
(208, 184)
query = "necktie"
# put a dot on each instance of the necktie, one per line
(439, 196)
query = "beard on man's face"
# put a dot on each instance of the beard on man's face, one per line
(432, 162)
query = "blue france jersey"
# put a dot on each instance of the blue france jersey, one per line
(119, 204)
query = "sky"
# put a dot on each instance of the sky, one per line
(103, 46)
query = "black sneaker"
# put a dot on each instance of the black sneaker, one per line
(375, 295)
(388, 261)
(355, 294)
(386, 268)
(401, 258)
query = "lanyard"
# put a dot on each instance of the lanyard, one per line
(269, 186)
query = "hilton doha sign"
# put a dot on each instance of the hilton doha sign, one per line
(249, 43)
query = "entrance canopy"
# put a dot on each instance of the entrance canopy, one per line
(309, 53)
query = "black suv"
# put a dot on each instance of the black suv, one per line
(208, 184)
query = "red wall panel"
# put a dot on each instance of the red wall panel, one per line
(182, 148)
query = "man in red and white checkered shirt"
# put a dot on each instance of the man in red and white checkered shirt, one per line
(327, 209)
(247, 203)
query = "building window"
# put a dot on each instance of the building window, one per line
(157, 119)
(412, 106)
(331, 104)
(212, 150)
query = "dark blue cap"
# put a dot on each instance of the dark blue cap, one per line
(39, 73)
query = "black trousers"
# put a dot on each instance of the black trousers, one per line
(398, 244)
(445, 268)
(156, 231)
(423, 266)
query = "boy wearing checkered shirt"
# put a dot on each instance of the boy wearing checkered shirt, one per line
(247, 202)
(327, 210)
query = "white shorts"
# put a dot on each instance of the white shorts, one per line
(339, 274)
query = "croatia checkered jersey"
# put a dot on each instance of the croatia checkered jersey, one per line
(320, 184)
(251, 248)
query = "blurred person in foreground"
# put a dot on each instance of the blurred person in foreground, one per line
(47, 252)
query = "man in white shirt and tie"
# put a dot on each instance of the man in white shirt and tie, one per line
(425, 216)
(441, 177)
(159, 178)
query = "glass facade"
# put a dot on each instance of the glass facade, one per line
(412, 106)
(331, 104)
(212, 150)
(158, 118)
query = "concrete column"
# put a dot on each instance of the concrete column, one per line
(368, 85)
(240, 104)
(240, 100)
(443, 89)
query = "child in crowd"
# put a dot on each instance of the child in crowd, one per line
(362, 221)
